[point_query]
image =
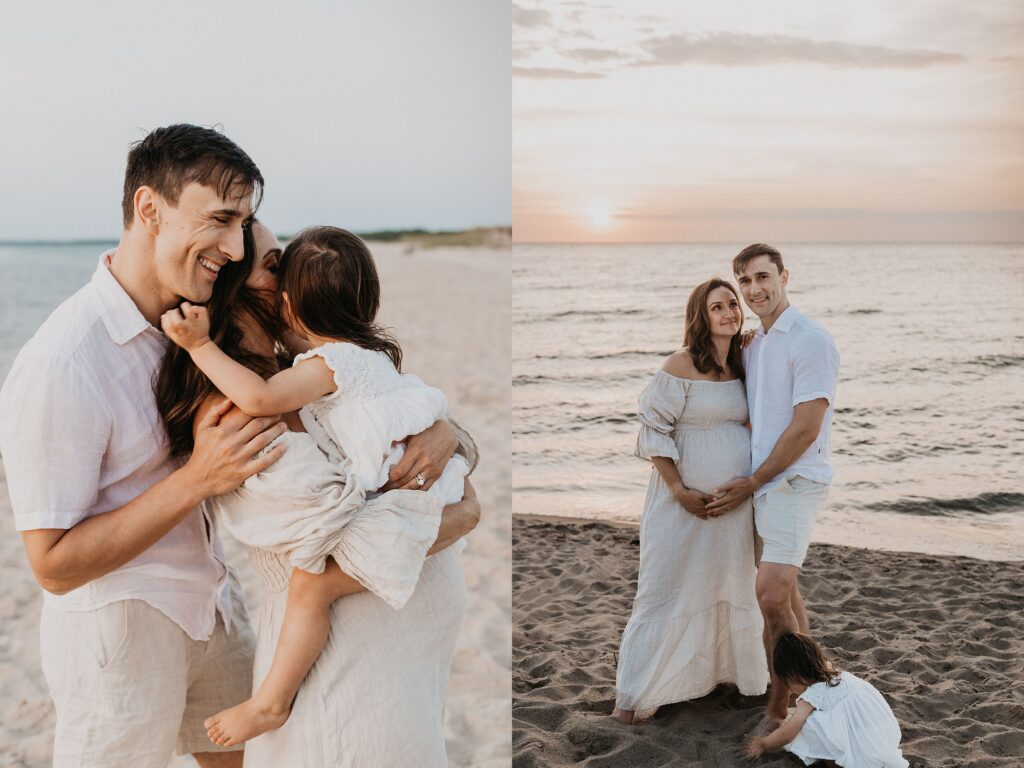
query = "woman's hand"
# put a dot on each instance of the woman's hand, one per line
(693, 501)
(747, 337)
(425, 457)
(188, 326)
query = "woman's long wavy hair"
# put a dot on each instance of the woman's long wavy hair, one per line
(798, 658)
(697, 337)
(333, 289)
(179, 385)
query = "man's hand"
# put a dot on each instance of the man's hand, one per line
(226, 445)
(188, 326)
(425, 456)
(731, 495)
(694, 501)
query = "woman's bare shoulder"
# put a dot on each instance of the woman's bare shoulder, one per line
(680, 364)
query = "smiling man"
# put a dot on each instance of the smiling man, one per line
(143, 633)
(792, 368)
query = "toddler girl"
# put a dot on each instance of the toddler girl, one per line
(838, 716)
(354, 402)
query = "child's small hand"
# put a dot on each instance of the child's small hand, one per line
(755, 747)
(187, 326)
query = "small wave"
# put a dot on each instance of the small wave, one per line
(631, 353)
(996, 361)
(613, 313)
(864, 312)
(982, 504)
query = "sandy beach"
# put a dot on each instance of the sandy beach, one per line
(941, 637)
(450, 309)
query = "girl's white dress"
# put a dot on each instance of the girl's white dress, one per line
(851, 724)
(374, 408)
(695, 620)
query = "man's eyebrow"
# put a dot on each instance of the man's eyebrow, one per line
(228, 212)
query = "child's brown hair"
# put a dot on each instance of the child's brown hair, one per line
(799, 658)
(333, 289)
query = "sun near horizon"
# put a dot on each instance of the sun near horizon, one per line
(659, 121)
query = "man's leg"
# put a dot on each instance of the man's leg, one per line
(797, 603)
(118, 677)
(776, 585)
(220, 671)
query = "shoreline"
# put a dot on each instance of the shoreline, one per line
(982, 540)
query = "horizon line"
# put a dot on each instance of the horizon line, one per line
(783, 241)
(280, 235)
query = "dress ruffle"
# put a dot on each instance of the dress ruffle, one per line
(677, 659)
(306, 508)
(660, 405)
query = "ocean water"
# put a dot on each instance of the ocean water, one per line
(36, 278)
(928, 435)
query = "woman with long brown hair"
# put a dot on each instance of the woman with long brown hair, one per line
(695, 621)
(383, 671)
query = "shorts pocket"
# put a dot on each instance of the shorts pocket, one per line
(111, 634)
(800, 484)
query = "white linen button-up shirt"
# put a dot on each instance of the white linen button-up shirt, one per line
(80, 435)
(795, 362)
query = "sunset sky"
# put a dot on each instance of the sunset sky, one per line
(659, 120)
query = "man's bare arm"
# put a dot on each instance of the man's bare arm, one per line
(457, 520)
(63, 560)
(802, 431)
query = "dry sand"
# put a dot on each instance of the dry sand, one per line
(451, 311)
(941, 637)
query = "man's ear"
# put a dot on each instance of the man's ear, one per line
(147, 209)
(785, 277)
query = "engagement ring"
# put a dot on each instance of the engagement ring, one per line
(421, 480)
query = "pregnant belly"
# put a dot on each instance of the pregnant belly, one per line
(711, 457)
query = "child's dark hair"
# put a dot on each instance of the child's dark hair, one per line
(799, 658)
(333, 288)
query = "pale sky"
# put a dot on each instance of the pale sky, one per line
(364, 114)
(660, 120)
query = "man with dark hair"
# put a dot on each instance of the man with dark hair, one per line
(143, 632)
(792, 368)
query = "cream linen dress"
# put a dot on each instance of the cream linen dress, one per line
(851, 724)
(375, 696)
(695, 620)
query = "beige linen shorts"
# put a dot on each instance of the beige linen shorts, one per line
(131, 688)
(784, 518)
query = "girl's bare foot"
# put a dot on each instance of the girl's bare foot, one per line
(243, 722)
(623, 715)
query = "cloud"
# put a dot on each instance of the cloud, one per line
(732, 50)
(593, 54)
(529, 17)
(551, 73)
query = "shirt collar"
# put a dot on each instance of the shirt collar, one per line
(121, 316)
(784, 322)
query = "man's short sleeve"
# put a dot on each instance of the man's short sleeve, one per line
(54, 431)
(815, 363)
